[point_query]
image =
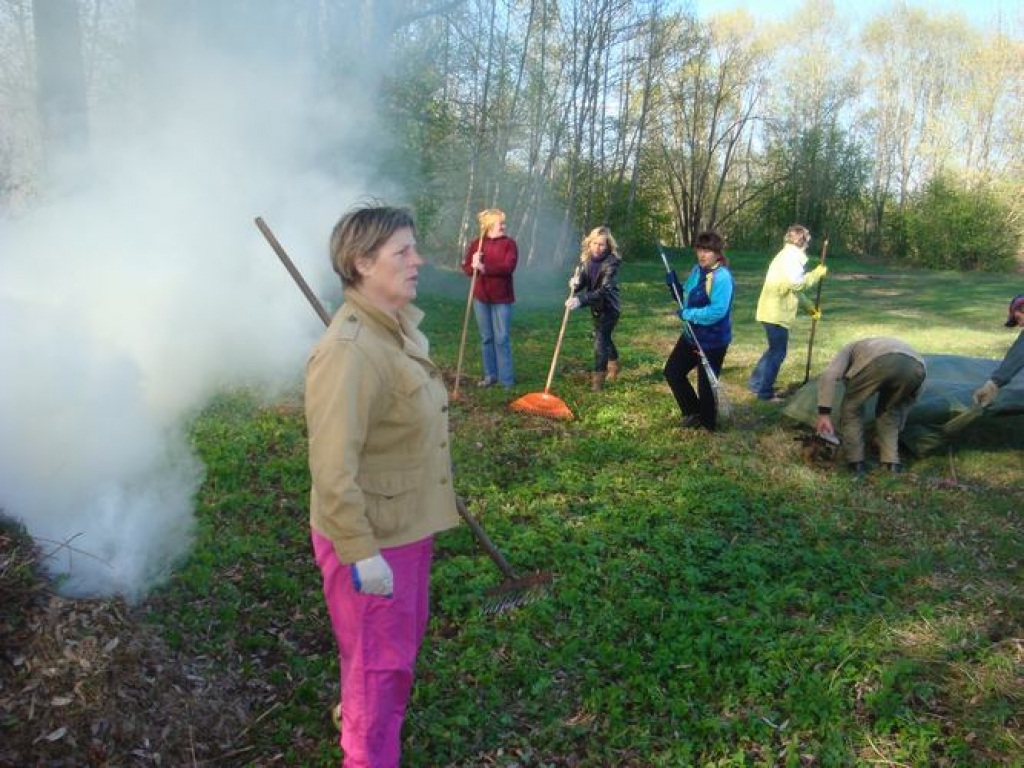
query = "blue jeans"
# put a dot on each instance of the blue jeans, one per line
(762, 380)
(494, 321)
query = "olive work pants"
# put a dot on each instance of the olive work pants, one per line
(897, 379)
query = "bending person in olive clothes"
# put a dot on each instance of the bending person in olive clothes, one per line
(377, 415)
(889, 367)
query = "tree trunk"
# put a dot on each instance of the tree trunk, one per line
(60, 77)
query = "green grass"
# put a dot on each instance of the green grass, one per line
(717, 600)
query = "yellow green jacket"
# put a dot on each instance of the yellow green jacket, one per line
(377, 415)
(783, 291)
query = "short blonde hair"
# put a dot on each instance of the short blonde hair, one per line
(360, 233)
(798, 235)
(595, 233)
(488, 217)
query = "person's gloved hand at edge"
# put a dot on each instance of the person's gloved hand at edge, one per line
(672, 281)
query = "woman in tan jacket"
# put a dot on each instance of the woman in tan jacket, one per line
(377, 414)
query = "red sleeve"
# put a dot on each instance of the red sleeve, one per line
(501, 259)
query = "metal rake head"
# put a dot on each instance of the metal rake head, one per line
(516, 592)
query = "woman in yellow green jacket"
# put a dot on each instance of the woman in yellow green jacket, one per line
(781, 297)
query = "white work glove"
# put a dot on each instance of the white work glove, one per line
(820, 271)
(373, 576)
(986, 393)
(574, 282)
(572, 303)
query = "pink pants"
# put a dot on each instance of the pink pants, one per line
(378, 640)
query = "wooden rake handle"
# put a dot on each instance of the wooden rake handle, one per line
(462, 341)
(485, 540)
(465, 319)
(293, 271)
(460, 505)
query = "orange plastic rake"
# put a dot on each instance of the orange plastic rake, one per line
(544, 403)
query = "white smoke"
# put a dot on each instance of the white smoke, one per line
(143, 288)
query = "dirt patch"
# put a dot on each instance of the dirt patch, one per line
(85, 682)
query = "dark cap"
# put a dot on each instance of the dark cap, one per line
(1016, 304)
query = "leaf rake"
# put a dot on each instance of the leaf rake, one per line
(515, 590)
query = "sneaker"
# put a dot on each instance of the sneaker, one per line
(487, 381)
(893, 466)
(336, 715)
(691, 421)
(857, 467)
(775, 398)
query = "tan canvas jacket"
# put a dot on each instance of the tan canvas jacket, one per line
(377, 415)
(851, 360)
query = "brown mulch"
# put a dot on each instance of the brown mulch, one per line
(86, 682)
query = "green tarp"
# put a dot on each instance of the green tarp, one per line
(942, 410)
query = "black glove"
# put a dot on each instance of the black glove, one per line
(674, 288)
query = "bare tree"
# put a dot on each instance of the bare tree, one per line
(711, 97)
(60, 76)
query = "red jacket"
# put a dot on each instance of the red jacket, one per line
(494, 284)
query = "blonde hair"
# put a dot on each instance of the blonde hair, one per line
(488, 218)
(595, 233)
(798, 235)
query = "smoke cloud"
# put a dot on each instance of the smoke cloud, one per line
(141, 287)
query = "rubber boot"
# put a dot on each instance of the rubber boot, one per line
(613, 370)
(597, 381)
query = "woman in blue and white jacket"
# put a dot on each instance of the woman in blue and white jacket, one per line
(707, 306)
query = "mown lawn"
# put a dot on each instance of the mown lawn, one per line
(717, 600)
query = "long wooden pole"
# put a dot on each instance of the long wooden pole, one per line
(465, 323)
(296, 275)
(814, 321)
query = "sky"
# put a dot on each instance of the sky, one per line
(982, 13)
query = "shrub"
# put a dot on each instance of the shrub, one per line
(952, 227)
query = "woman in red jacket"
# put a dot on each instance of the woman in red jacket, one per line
(494, 260)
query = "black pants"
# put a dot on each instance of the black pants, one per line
(685, 358)
(604, 347)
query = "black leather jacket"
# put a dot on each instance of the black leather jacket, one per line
(603, 294)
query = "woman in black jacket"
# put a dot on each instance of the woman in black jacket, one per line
(595, 285)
